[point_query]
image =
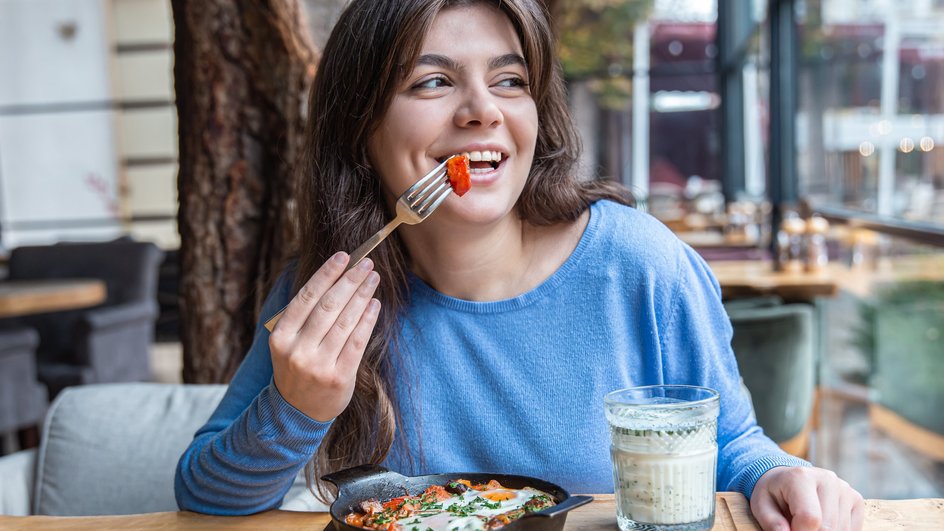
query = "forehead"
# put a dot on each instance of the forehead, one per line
(470, 31)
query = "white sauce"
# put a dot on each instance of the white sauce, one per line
(665, 477)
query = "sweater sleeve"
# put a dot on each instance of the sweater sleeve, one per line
(245, 458)
(696, 350)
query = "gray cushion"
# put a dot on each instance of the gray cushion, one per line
(16, 482)
(113, 448)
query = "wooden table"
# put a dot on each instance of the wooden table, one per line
(707, 239)
(746, 278)
(732, 514)
(24, 297)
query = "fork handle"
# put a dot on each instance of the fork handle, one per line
(365, 248)
(356, 256)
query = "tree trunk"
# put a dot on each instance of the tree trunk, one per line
(242, 73)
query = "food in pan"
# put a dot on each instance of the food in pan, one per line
(457, 168)
(457, 506)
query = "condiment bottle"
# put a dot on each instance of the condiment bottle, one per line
(790, 256)
(817, 256)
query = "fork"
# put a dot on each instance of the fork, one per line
(413, 206)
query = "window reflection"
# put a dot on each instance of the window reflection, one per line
(644, 92)
(871, 120)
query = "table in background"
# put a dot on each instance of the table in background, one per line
(24, 297)
(732, 514)
(747, 278)
(709, 239)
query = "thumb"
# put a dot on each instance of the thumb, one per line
(768, 513)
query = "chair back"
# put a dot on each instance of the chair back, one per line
(128, 268)
(775, 350)
(908, 376)
(113, 448)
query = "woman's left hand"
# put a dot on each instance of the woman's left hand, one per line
(806, 498)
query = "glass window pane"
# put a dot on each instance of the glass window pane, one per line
(644, 92)
(871, 120)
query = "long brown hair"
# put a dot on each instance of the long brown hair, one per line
(375, 43)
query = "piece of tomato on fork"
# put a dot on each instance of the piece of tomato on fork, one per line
(457, 168)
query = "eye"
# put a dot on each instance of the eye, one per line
(431, 83)
(514, 82)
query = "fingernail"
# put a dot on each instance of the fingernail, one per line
(373, 279)
(338, 257)
(365, 265)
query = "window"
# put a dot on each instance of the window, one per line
(870, 125)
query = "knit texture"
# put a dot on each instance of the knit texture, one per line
(513, 386)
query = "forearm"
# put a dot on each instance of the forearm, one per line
(250, 465)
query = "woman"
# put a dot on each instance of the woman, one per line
(506, 316)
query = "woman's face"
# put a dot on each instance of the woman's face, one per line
(467, 93)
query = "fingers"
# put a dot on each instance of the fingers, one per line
(803, 501)
(830, 508)
(854, 509)
(300, 307)
(350, 317)
(328, 312)
(806, 498)
(356, 343)
(768, 513)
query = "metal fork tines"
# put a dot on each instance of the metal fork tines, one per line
(413, 206)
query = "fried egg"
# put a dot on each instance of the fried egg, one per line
(470, 510)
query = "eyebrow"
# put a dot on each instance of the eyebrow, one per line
(450, 64)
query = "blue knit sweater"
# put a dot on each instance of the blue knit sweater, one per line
(513, 386)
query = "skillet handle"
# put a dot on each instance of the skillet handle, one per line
(570, 503)
(343, 478)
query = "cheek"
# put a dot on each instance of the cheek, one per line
(524, 127)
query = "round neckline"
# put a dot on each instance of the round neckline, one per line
(419, 287)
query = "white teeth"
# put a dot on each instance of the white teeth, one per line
(485, 156)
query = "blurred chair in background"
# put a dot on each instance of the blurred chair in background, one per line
(908, 376)
(774, 345)
(23, 399)
(107, 343)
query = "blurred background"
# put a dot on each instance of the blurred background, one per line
(797, 144)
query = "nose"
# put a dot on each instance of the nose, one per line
(478, 108)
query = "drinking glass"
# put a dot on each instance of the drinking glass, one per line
(664, 450)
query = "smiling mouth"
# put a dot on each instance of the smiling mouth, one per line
(484, 161)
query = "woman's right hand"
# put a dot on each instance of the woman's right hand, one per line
(318, 343)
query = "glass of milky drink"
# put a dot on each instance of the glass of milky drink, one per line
(664, 449)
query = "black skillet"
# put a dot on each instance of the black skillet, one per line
(370, 481)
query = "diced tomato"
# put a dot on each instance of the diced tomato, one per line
(438, 493)
(395, 503)
(457, 168)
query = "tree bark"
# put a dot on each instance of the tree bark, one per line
(242, 73)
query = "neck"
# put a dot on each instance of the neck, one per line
(480, 264)
(490, 263)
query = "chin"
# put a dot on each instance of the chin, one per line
(477, 210)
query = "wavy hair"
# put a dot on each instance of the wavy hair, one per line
(341, 203)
